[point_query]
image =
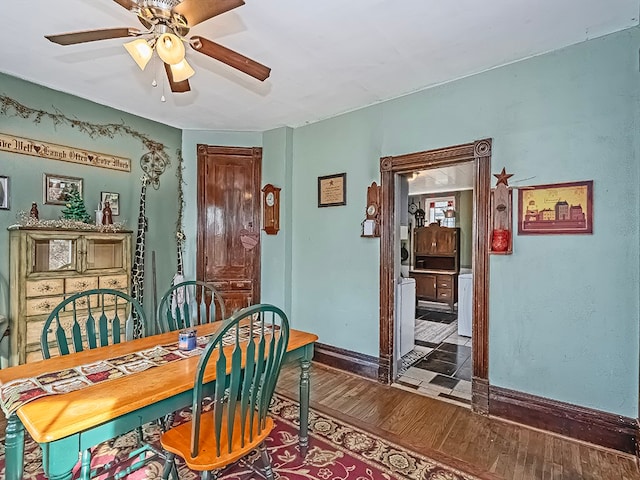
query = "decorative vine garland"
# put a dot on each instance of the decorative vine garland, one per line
(9, 106)
(180, 236)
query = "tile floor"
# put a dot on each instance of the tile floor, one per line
(443, 368)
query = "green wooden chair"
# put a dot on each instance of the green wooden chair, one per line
(87, 320)
(246, 355)
(187, 305)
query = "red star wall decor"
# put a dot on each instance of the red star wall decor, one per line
(502, 177)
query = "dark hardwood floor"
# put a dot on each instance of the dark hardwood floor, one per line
(487, 447)
(447, 432)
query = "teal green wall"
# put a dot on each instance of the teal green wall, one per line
(277, 169)
(26, 172)
(335, 279)
(563, 312)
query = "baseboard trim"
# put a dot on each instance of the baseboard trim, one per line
(586, 424)
(353, 362)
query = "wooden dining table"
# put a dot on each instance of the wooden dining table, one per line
(67, 424)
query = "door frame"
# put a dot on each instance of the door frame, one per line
(478, 152)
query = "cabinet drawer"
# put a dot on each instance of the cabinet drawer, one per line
(444, 294)
(42, 306)
(117, 282)
(444, 281)
(80, 284)
(82, 303)
(111, 300)
(39, 288)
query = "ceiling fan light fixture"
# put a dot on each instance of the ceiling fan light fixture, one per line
(170, 48)
(140, 51)
(181, 71)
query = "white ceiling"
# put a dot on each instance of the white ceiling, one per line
(443, 179)
(327, 56)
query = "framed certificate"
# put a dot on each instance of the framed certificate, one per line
(332, 190)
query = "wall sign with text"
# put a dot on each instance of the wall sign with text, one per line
(332, 190)
(52, 151)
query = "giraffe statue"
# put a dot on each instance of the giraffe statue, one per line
(137, 268)
(153, 165)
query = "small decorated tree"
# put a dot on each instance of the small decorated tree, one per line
(75, 208)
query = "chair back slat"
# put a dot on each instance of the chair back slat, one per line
(75, 321)
(61, 336)
(234, 389)
(187, 305)
(247, 382)
(247, 354)
(116, 326)
(103, 327)
(76, 335)
(90, 327)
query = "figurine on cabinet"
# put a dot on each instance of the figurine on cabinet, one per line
(33, 213)
(107, 215)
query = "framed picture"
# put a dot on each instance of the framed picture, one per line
(332, 190)
(4, 192)
(113, 199)
(56, 188)
(556, 208)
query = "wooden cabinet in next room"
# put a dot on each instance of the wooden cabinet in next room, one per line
(436, 263)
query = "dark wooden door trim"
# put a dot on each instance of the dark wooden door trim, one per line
(478, 152)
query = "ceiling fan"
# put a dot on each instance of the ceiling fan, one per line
(167, 24)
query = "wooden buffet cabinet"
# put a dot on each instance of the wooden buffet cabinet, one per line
(46, 266)
(436, 263)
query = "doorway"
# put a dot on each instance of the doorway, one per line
(479, 153)
(434, 296)
(229, 223)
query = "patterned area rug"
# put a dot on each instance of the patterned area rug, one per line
(337, 451)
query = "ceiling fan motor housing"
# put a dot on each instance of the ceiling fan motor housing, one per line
(157, 15)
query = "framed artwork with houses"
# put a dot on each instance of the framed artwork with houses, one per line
(558, 208)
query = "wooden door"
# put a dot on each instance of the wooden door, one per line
(229, 223)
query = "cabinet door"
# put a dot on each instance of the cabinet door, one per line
(425, 241)
(53, 253)
(426, 286)
(104, 253)
(445, 241)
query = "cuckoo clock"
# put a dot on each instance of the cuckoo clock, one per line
(371, 223)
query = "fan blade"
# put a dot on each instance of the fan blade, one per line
(176, 87)
(128, 4)
(231, 58)
(196, 11)
(92, 35)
